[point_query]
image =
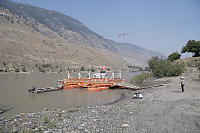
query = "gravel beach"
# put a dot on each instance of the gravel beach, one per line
(164, 109)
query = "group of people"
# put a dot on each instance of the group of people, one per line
(137, 95)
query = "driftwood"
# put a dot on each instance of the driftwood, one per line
(4, 109)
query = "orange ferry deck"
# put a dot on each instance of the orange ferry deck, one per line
(92, 84)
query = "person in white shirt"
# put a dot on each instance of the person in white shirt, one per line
(140, 96)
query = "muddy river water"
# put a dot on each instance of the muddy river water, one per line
(14, 92)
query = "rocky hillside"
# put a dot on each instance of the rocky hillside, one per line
(190, 62)
(31, 35)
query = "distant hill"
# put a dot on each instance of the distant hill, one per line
(32, 35)
(137, 55)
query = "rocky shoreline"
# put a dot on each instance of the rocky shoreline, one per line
(83, 119)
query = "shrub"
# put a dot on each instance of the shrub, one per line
(52, 125)
(141, 77)
(24, 69)
(193, 63)
(174, 56)
(41, 70)
(92, 69)
(190, 64)
(26, 130)
(198, 65)
(82, 68)
(46, 65)
(46, 120)
(163, 67)
(60, 69)
(17, 70)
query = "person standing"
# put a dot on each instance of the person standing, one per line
(182, 84)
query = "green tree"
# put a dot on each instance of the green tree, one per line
(174, 56)
(24, 69)
(193, 47)
(82, 68)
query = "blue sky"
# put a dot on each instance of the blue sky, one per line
(139, 19)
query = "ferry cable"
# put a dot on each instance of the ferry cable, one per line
(155, 28)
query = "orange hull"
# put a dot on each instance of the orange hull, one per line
(94, 89)
(104, 88)
(93, 84)
(71, 87)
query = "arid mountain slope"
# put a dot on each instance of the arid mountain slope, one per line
(22, 44)
(31, 35)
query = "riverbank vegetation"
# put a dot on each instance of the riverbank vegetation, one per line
(141, 77)
(165, 68)
(173, 65)
(47, 68)
(159, 67)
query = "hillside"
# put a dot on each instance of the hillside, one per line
(31, 35)
(135, 54)
(190, 61)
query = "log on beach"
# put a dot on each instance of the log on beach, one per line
(4, 109)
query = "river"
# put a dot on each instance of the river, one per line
(14, 92)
